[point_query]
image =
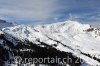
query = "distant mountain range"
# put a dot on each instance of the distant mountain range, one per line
(4, 24)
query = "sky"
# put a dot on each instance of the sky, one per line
(49, 11)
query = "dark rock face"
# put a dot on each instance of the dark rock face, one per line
(4, 55)
(35, 51)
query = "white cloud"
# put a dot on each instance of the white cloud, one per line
(43, 10)
(31, 9)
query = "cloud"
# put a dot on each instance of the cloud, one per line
(31, 9)
(49, 10)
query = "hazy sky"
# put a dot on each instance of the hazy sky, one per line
(49, 11)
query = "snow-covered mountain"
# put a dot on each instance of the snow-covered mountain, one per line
(4, 24)
(81, 40)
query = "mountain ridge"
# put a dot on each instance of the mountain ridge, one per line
(4, 24)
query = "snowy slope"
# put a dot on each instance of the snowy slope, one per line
(70, 36)
(8, 51)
